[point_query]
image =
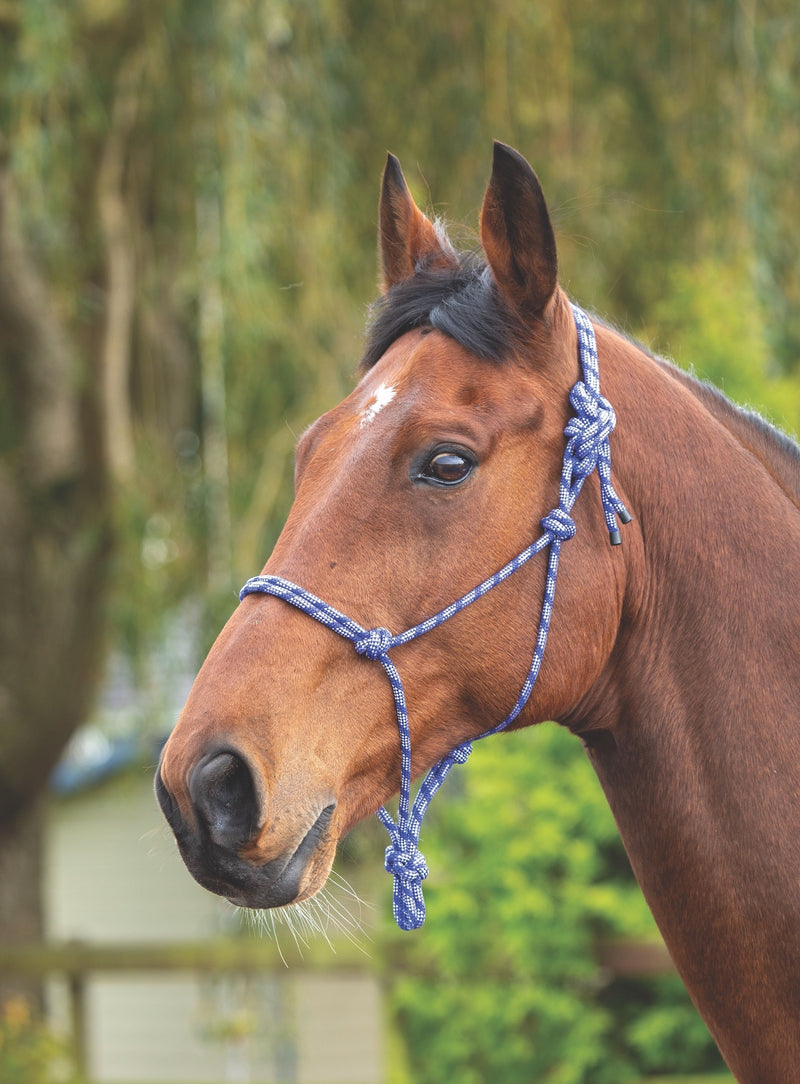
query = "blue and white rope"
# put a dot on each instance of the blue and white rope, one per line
(587, 450)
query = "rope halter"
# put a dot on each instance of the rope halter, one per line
(587, 450)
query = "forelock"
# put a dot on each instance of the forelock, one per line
(462, 302)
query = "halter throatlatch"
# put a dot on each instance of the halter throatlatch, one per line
(587, 450)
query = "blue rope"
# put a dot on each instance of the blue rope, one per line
(587, 450)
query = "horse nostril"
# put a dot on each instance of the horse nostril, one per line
(223, 793)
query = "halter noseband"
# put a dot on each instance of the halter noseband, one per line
(587, 450)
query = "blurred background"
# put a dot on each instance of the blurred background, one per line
(188, 195)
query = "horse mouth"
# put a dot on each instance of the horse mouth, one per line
(286, 887)
(242, 878)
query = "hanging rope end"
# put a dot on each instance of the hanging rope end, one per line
(409, 922)
(616, 514)
(407, 866)
(621, 513)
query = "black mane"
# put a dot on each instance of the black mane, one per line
(463, 302)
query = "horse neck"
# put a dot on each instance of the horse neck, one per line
(692, 728)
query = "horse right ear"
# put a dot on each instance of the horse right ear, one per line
(406, 238)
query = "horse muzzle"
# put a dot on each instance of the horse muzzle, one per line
(221, 842)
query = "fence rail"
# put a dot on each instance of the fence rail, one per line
(76, 961)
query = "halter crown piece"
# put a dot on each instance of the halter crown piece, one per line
(587, 450)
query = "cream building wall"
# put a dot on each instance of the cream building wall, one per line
(113, 876)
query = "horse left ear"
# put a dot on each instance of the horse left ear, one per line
(517, 235)
(407, 239)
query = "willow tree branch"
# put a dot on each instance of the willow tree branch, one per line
(35, 356)
(120, 271)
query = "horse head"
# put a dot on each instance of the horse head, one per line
(433, 473)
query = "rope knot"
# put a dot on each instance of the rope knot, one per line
(559, 524)
(589, 429)
(373, 643)
(461, 753)
(408, 866)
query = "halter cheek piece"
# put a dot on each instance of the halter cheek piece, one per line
(587, 450)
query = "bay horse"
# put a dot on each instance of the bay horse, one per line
(674, 657)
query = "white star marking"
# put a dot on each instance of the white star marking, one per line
(382, 397)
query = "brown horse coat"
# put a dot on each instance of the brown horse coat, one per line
(674, 657)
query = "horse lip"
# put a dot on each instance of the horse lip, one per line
(282, 886)
(315, 835)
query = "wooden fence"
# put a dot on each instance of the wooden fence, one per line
(76, 961)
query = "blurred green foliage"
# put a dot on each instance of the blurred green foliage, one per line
(29, 1052)
(714, 324)
(527, 876)
(252, 136)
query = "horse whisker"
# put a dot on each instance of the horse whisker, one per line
(322, 915)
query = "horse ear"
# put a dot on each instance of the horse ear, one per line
(517, 234)
(406, 238)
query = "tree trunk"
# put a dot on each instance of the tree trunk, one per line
(55, 540)
(21, 909)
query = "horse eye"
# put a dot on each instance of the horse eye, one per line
(447, 468)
